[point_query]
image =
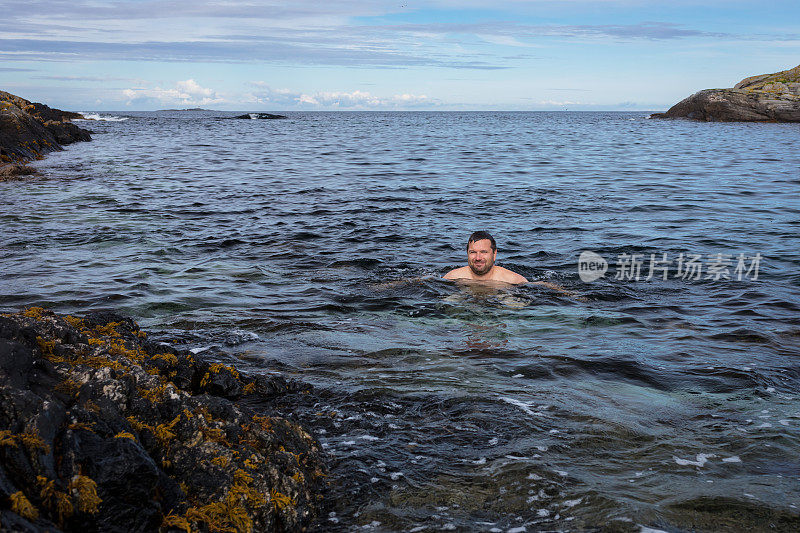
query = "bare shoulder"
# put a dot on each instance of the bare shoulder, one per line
(458, 273)
(509, 276)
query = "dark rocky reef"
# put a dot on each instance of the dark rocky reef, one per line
(764, 98)
(102, 429)
(29, 130)
(260, 116)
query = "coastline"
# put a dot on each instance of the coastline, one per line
(30, 130)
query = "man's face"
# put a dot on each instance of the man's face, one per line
(480, 256)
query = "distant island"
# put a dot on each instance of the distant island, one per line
(763, 98)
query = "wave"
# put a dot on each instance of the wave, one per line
(105, 118)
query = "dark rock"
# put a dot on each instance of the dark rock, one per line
(29, 130)
(764, 98)
(96, 435)
(260, 116)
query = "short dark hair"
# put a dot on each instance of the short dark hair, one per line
(479, 236)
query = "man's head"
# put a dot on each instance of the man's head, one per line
(481, 252)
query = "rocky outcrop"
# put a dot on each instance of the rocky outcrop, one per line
(260, 116)
(764, 98)
(104, 430)
(29, 130)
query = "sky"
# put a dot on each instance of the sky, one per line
(98, 55)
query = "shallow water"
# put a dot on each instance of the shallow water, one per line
(671, 404)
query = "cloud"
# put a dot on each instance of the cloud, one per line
(226, 51)
(81, 78)
(357, 99)
(187, 92)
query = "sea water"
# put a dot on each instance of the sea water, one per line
(314, 246)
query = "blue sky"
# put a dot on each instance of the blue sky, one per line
(437, 55)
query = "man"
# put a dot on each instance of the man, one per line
(481, 254)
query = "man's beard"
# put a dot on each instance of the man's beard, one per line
(486, 268)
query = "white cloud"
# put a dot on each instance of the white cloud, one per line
(363, 100)
(357, 99)
(187, 92)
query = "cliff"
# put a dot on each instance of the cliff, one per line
(30, 130)
(763, 98)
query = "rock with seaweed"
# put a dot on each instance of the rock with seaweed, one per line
(102, 429)
(763, 98)
(30, 130)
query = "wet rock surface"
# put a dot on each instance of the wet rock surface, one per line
(764, 98)
(104, 430)
(29, 130)
(259, 116)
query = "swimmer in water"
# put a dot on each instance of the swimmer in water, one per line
(481, 255)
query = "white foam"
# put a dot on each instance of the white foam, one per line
(198, 350)
(522, 405)
(734, 459)
(572, 503)
(103, 118)
(369, 437)
(701, 459)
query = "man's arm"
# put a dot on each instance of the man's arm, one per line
(559, 288)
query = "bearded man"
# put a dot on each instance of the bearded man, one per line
(481, 255)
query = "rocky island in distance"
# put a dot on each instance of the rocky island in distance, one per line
(763, 98)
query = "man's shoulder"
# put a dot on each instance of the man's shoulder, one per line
(509, 276)
(458, 273)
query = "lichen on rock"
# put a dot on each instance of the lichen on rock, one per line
(102, 429)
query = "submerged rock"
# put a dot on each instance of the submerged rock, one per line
(103, 430)
(29, 130)
(764, 98)
(260, 116)
(14, 171)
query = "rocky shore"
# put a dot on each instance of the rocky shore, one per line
(764, 98)
(30, 130)
(102, 429)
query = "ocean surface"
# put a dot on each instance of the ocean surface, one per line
(314, 246)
